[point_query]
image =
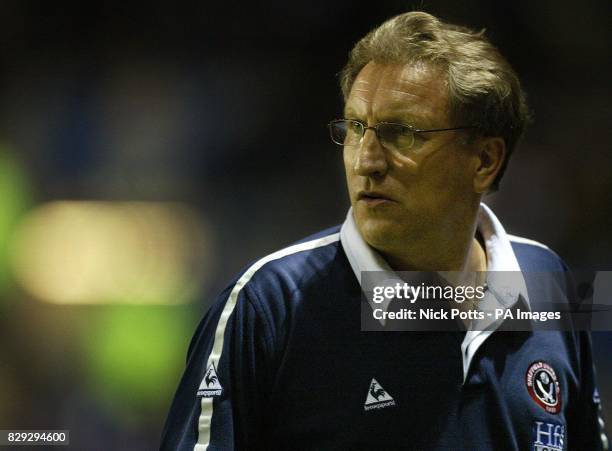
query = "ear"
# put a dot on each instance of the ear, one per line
(489, 161)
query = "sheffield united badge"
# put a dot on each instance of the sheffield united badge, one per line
(543, 386)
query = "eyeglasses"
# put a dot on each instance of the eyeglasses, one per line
(392, 136)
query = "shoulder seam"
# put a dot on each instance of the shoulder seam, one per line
(519, 239)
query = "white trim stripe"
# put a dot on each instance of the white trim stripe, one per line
(520, 239)
(207, 403)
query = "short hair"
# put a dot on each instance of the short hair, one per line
(483, 89)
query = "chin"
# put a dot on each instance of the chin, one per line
(377, 232)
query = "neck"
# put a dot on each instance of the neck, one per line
(453, 248)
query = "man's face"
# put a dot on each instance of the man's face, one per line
(418, 194)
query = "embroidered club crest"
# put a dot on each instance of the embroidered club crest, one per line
(543, 386)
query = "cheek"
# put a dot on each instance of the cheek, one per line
(435, 183)
(407, 167)
(349, 165)
(418, 165)
(350, 155)
(347, 158)
(450, 166)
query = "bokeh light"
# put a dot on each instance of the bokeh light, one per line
(133, 356)
(14, 200)
(85, 252)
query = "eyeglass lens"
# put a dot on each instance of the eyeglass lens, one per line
(391, 136)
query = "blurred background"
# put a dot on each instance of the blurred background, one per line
(147, 153)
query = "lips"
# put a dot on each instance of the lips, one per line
(373, 197)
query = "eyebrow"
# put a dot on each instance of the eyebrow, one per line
(406, 117)
(349, 112)
(401, 116)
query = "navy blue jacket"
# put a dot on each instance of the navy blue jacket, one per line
(296, 372)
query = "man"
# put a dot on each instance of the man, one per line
(432, 115)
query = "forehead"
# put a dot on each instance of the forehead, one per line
(415, 92)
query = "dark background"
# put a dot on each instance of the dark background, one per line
(221, 108)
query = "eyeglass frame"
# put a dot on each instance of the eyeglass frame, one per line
(375, 128)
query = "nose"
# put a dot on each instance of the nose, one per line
(371, 158)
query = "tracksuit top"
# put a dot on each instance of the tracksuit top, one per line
(280, 362)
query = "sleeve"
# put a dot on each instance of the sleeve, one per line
(586, 428)
(219, 402)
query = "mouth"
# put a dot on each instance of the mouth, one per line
(373, 198)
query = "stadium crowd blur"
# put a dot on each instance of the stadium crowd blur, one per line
(148, 153)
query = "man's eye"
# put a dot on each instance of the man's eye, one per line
(419, 138)
(353, 127)
(397, 130)
(404, 131)
(398, 133)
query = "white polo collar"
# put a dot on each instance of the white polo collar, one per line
(504, 280)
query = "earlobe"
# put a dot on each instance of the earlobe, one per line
(491, 156)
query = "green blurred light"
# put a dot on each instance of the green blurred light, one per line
(135, 356)
(14, 200)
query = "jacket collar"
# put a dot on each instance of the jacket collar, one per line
(506, 285)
